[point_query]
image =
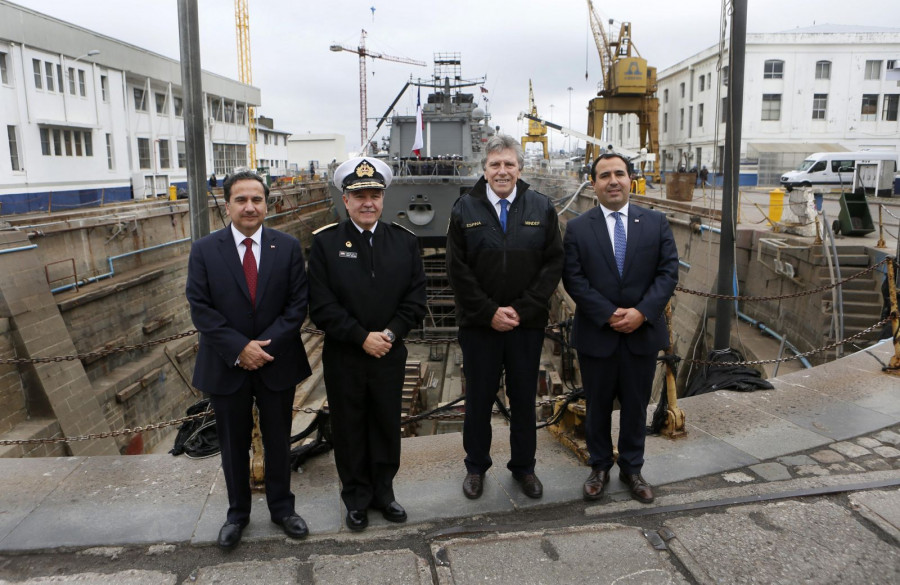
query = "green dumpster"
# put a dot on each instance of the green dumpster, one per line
(854, 218)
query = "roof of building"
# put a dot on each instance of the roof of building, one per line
(840, 29)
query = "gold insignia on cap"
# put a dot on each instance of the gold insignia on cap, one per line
(364, 169)
(348, 244)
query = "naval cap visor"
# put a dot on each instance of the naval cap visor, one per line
(362, 173)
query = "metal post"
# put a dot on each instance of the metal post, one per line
(194, 142)
(731, 177)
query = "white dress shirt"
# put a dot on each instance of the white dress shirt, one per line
(239, 243)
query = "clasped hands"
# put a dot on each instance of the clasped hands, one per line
(377, 344)
(253, 356)
(626, 320)
(505, 319)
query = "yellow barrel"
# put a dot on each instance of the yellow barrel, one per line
(641, 186)
(776, 204)
(173, 192)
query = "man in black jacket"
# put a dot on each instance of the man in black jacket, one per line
(504, 260)
(367, 291)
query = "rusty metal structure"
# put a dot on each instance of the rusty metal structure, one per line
(537, 132)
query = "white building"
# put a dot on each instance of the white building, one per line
(271, 147)
(87, 118)
(807, 90)
(316, 149)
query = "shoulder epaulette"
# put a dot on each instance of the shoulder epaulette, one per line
(404, 228)
(325, 227)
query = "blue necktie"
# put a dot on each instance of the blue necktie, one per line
(503, 205)
(619, 237)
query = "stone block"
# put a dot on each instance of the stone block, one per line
(850, 450)
(887, 452)
(867, 442)
(827, 456)
(888, 437)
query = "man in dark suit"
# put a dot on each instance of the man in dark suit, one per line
(621, 269)
(247, 289)
(504, 260)
(367, 291)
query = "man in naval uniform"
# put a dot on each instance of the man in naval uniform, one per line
(367, 291)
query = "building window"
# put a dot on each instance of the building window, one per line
(160, 103)
(240, 114)
(81, 87)
(873, 69)
(59, 79)
(57, 142)
(724, 109)
(71, 80)
(13, 148)
(48, 74)
(823, 69)
(38, 78)
(104, 87)
(771, 106)
(164, 154)
(665, 122)
(700, 116)
(889, 107)
(229, 112)
(773, 69)
(820, 106)
(45, 141)
(666, 96)
(702, 83)
(88, 143)
(681, 119)
(144, 153)
(109, 152)
(228, 156)
(4, 76)
(139, 103)
(869, 106)
(725, 75)
(182, 155)
(67, 140)
(179, 105)
(215, 109)
(682, 89)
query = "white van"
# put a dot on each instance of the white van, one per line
(833, 169)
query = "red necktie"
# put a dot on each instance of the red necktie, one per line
(250, 269)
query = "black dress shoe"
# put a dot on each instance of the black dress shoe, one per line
(357, 519)
(638, 486)
(394, 512)
(230, 535)
(530, 484)
(473, 485)
(595, 484)
(293, 526)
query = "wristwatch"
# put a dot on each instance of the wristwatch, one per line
(390, 334)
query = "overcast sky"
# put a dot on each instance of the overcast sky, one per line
(308, 88)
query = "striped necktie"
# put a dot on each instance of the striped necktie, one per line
(619, 238)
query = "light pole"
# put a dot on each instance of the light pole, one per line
(569, 140)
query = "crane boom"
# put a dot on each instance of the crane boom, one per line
(245, 72)
(363, 53)
(641, 156)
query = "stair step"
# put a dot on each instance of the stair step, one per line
(870, 297)
(33, 428)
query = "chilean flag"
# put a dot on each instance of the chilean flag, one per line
(417, 144)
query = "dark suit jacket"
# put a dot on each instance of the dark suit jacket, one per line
(347, 301)
(221, 310)
(592, 280)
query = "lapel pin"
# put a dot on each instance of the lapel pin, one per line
(348, 244)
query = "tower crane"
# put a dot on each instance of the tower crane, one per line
(537, 131)
(363, 53)
(245, 73)
(629, 87)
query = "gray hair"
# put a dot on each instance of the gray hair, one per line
(499, 142)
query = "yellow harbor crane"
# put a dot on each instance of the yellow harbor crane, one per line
(629, 87)
(363, 53)
(245, 73)
(537, 132)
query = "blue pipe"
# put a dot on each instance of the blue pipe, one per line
(708, 228)
(768, 331)
(112, 270)
(20, 249)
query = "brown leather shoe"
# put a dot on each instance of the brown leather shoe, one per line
(640, 489)
(530, 484)
(473, 485)
(595, 484)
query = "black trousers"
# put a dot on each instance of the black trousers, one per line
(234, 425)
(365, 400)
(629, 378)
(485, 353)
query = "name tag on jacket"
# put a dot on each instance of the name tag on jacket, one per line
(346, 254)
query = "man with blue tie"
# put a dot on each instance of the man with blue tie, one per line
(504, 261)
(247, 289)
(621, 268)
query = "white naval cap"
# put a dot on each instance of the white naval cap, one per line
(362, 173)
